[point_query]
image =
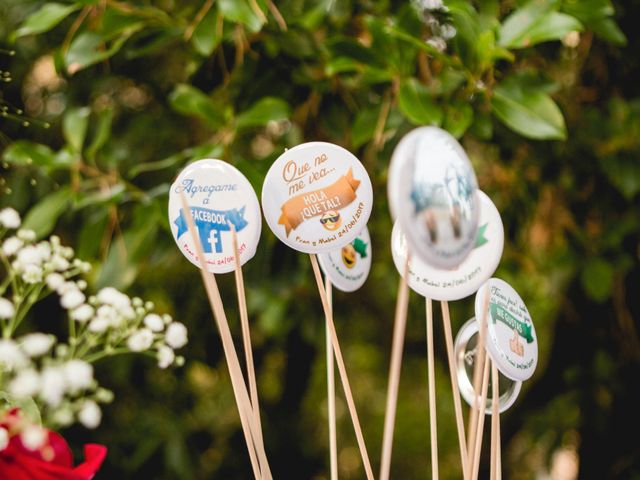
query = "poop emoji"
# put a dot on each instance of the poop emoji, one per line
(331, 220)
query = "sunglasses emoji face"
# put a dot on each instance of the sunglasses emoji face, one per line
(349, 256)
(331, 220)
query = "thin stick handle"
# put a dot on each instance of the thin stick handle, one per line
(341, 368)
(331, 392)
(432, 392)
(483, 401)
(477, 373)
(498, 454)
(397, 345)
(237, 383)
(495, 422)
(446, 321)
(246, 332)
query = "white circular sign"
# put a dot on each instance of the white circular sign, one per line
(511, 336)
(317, 197)
(348, 266)
(432, 193)
(218, 196)
(468, 277)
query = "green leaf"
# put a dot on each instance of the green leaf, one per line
(458, 119)
(74, 127)
(44, 19)
(609, 30)
(364, 126)
(188, 100)
(417, 104)
(24, 152)
(597, 279)
(531, 113)
(262, 112)
(43, 216)
(239, 11)
(206, 36)
(536, 23)
(90, 48)
(102, 133)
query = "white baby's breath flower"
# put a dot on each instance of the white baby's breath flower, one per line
(72, 299)
(25, 384)
(154, 322)
(111, 296)
(36, 344)
(59, 263)
(166, 318)
(98, 325)
(29, 255)
(448, 31)
(11, 246)
(66, 287)
(7, 309)
(32, 274)
(81, 284)
(90, 414)
(176, 336)
(33, 437)
(165, 356)
(140, 340)
(11, 356)
(44, 250)
(54, 281)
(83, 313)
(9, 218)
(4, 438)
(79, 375)
(26, 235)
(63, 416)
(53, 385)
(438, 43)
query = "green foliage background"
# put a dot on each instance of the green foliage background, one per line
(134, 90)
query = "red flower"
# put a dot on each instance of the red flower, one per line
(52, 462)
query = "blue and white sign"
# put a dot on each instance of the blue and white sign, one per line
(219, 197)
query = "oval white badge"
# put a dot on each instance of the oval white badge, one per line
(317, 197)
(348, 266)
(511, 336)
(477, 268)
(432, 193)
(219, 196)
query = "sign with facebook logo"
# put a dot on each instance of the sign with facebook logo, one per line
(221, 201)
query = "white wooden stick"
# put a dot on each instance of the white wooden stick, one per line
(446, 321)
(237, 382)
(341, 368)
(432, 392)
(495, 422)
(246, 337)
(397, 345)
(477, 373)
(483, 401)
(331, 392)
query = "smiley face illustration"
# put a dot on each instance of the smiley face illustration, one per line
(331, 220)
(349, 256)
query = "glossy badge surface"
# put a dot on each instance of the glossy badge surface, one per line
(219, 196)
(348, 266)
(432, 193)
(468, 277)
(317, 197)
(511, 336)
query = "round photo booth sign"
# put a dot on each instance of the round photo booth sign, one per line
(317, 197)
(348, 267)
(219, 197)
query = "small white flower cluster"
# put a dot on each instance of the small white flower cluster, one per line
(46, 260)
(434, 15)
(59, 377)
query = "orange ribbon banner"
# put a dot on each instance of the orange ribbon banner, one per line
(308, 205)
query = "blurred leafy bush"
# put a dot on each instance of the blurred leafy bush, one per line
(541, 96)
